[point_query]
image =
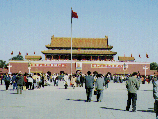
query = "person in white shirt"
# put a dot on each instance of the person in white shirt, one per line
(66, 79)
(30, 81)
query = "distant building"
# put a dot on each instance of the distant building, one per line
(88, 54)
(126, 59)
(82, 49)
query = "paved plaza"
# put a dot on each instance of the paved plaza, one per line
(58, 103)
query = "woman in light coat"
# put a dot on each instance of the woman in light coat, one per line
(73, 81)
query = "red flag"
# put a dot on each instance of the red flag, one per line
(26, 53)
(74, 14)
(139, 55)
(131, 55)
(147, 55)
(12, 53)
(19, 53)
(34, 52)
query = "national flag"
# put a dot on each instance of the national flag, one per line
(74, 14)
(12, 53)
(34, 52)
(139, 55)
(19, 53)
(131, 55)
(147, 55)
(26, 53)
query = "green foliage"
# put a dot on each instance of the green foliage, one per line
(18, 57)
(153, 66)
(3, 64)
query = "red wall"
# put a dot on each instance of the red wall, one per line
(23, 67)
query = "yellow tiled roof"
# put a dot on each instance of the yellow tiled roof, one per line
(79, 52)
(32, 57)
(79, 42)
(125, 58)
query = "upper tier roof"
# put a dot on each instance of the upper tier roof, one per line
(65, 42)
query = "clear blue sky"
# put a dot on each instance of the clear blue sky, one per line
(131, 25)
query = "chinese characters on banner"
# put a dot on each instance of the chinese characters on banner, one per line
(48, 65)
(106, 66)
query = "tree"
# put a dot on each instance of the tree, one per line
(18, 57)
(153, 66)
(3, 64)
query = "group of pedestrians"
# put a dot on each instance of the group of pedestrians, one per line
(95, 81)
(18, 80)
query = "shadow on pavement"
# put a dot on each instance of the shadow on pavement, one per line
(146, 90)
(112, 108)
(13, 93)
(152, 111)
(63, 88)
(2, 90)
(77, 100)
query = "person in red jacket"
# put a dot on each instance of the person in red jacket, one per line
(25, 80)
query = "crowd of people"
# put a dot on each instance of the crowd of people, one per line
(92, 81)
(38, 80)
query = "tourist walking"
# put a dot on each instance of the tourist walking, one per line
(20, 83)
(132, 86)
(25, 80)
(89, 86)
(155, 95)
(38, 79)
(34, 81)
(14, 81)
(107, 80)
(30, 81)
(7, 79)
(73, 81)
(42, 80)
(82, 78)
(78, 80)
(99, 86)
(66, 79)
(1, 78)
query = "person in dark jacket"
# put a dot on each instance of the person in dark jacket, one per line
(14, 81)
(89, 86)
(107, 79)
(132, 86)
(99, 85)
(7, 79)
(155, 95)
(82, 78)
(20, 83)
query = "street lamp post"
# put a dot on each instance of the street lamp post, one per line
(9, 66)
(29, 66)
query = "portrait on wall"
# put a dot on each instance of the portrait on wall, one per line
(78, 65)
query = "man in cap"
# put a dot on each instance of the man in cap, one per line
(132, 86)
(89, 86)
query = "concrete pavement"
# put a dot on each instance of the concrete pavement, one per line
(59, 103)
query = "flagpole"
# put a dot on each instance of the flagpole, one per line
(71, 41)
